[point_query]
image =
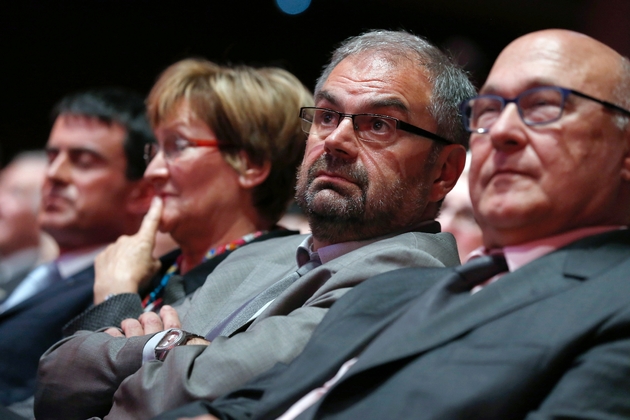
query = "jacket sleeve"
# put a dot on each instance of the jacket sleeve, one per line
(109, 313)
(78, 376)
(597, 385)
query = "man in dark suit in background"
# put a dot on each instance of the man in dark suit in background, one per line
(550, 185)
(93, 192)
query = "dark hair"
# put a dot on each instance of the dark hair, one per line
(450, 83)
(119, 106)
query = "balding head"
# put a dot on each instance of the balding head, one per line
(531, 181)
(560, 56)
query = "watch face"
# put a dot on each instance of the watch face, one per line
(170, 339)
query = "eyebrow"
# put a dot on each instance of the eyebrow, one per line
(326, 96)
(496, 90)
(379, 103)
(75, 151)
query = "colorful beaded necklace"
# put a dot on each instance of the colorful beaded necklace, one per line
(154, 300)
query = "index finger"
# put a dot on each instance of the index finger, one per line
(169, 316)
(151, 220)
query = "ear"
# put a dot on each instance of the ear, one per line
(139, 197)
(251, 174)
(446, 171)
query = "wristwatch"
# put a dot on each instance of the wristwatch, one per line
(175, 337)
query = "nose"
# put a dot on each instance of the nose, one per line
(342, 142)
(59, 169)
(157, 172)
(508, 133)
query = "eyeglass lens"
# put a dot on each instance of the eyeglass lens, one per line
(535, 106)
(173, 147)
(322, 122)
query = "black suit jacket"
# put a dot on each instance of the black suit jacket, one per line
(550, 340)
(28, 329)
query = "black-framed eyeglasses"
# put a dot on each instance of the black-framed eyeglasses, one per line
(374, 128)
(536, 106)
(174, 146)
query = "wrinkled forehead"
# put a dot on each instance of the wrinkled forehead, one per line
(559, 58)
(378, 83)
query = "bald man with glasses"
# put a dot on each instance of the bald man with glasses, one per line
(537, 324)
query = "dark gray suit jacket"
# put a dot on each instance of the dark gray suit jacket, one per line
(30, 327)
(550, 340)
(81, 376)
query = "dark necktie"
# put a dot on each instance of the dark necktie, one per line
(456, 287)
(467, 276)
(243, 316)
(477, 271)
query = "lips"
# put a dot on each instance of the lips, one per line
(54, 198)
(164, 194)
(332, 177)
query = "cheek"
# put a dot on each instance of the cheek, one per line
(314, 150)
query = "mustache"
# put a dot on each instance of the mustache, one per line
(351, 171)
(58, 191)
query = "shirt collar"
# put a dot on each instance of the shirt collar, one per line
(17, 262)
(519, 255)
(328, 253)
(70, 263)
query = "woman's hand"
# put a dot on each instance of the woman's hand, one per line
(126, 265)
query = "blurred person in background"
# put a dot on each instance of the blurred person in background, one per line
(92, 193)
(457, 217)
(223, 168)
(22, 244)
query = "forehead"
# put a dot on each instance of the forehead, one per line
(367, 82)
(182, 118)
(80, 132)
(554, 58)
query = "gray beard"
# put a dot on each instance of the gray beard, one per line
(337, 214)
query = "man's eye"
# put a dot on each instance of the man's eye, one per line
(51, 154)
(83, 159)
(487, 108)
(327, 118)
(381, 125)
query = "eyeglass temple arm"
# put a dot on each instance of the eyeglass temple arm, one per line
(421, 132)
(599, 101)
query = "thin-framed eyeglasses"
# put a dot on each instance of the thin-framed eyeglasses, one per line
(373, 128)
(536, 106)
(174, 146)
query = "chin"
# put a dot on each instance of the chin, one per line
(55, 220)
(168, 221)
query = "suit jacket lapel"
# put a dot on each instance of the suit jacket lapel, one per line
(215, 290)
(545, 277)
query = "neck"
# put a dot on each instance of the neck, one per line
(356, 236)
(64, 250)
(193, 252)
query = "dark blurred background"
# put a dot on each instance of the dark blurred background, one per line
(52, 47)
